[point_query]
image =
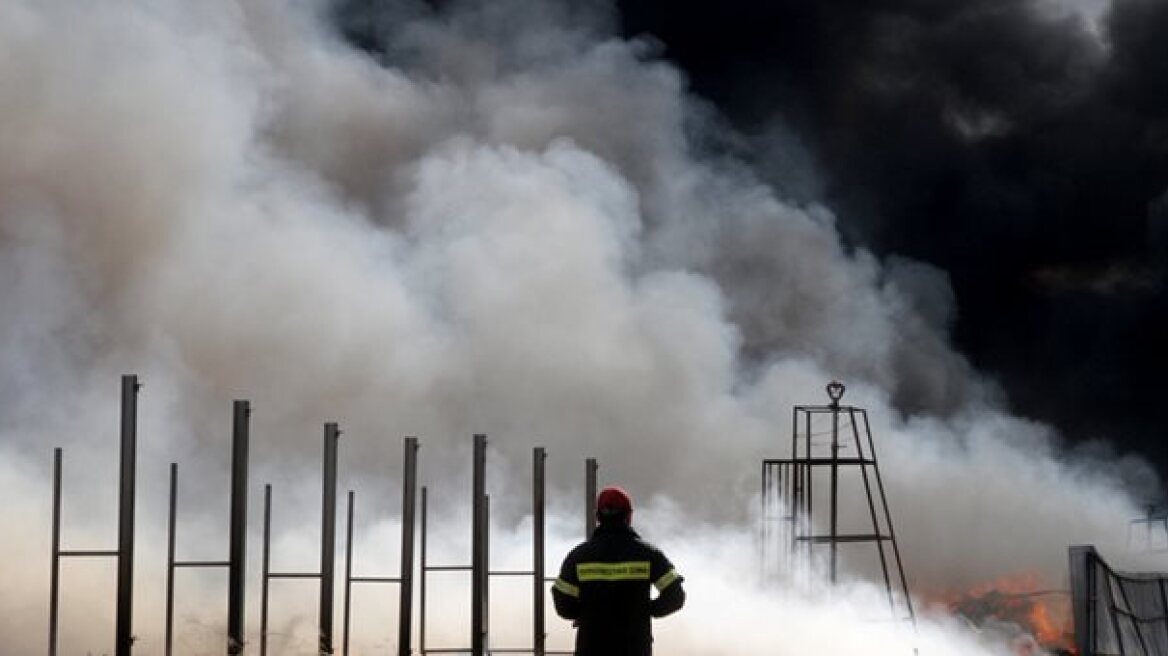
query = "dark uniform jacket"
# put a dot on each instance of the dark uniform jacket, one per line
(604, 586)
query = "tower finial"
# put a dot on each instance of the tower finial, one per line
(835, 390)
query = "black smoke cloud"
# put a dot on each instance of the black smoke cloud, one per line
(1021, 147)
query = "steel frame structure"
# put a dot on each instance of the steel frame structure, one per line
(124, 554)
(328, 532)
(405, 579)
(237, 538)
(479, 568)
(789, 512)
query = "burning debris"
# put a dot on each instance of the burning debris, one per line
(1019, 608)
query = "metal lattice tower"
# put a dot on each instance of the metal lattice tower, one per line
(832, 458)
(1154, 536)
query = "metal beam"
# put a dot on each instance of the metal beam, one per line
(348, 576)
(124, 634)
(171, 527)
(409, 503)
(55, 572)
(478, 548)
(328, 535)
(539, 635)
(422, 581)
(265, 564)
(834, 514)
(237, 542)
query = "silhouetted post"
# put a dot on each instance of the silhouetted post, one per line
(171, 526)
(55, 572)
(478, 548)
(590, 468)
(835, 391)
(345, 614)
(237, 545)
(486, 573)
(265, 564)
(124, 635)
(539, 456)
(422, 583)
(328, 537)
(409, 503)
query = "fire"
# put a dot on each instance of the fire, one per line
(1040, 610)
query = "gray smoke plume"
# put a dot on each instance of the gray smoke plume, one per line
(507, 224)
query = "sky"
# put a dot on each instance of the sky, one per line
(1021, 147)
(617, 231)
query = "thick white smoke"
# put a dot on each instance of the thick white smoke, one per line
(506, 227)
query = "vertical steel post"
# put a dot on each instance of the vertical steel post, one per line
(764, 522)
(478, 548)
(171, 527)
(539, 457)
(422, 582)
(328, 536)
(1091, 631)
(409, 498)
(55, 570)
(810, 485)
(590, 468)
(266, 566)
(800, 486)
(348, 578)
(484, 548)
(834, 522)
(124, 635)
(237, 541)
(486, 573)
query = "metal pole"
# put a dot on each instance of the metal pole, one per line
(124, 636)
(171, 526)
(328, 536)
(888, 516)
(872, 508)
(348, 576)
(590, 468)
(237, 547)
(478, 548)
(763, 523)
(422, 582)
(266, 562)
(834, 524)
(55, 570)
(486, 572)
(1090, 631)
(537, 511)
(409, 498)
(809, 483)
(797, 496)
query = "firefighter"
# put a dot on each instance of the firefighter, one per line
(604, 584)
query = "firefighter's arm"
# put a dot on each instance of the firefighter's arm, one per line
(566, 591)
(668, 601)
(670, 594)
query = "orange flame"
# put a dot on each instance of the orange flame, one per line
(1024, 599)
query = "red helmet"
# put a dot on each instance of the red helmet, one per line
(612, 503)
